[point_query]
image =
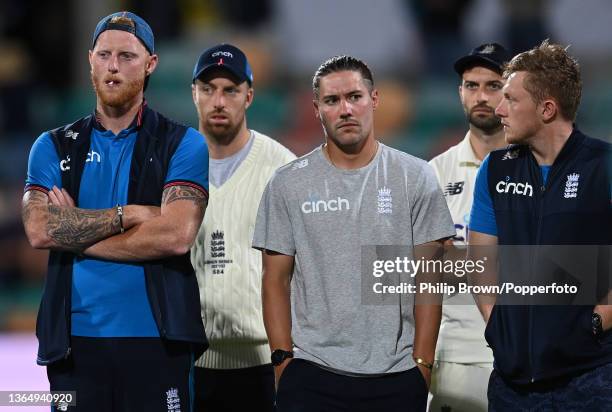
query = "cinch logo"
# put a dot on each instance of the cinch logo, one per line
(223, 53)
(524, 189)
(93, 157)
(332, 205)
(65, 164)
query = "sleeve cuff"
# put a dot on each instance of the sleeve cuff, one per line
(32, 186)
(187, 183)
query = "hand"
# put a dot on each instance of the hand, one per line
(136, 214)
(278, 371)
(426, 372)
(59, 197)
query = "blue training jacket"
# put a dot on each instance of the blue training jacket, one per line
(534, 343)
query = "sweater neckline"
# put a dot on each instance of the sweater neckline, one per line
(243, 169)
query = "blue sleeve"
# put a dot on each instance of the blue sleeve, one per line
(43, 165)
(189, 164)
(482, 217)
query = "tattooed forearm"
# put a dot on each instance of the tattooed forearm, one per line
(79, 228)
(174, 193)
(65, 228)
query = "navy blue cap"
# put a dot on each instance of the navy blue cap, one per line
(227, 57)
(130, 22)
(490, 55)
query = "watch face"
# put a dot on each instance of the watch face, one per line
(597, 327)
(279, 355)
(596, 319)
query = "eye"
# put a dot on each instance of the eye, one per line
(103, 54)
(495, 86)
(330, 100)
(231, 91)
(471, 85)
(206, 89)
(354, 98)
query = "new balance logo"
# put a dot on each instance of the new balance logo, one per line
(332, 205)
(71, 134)
(511, 154)
(489, 48)
(571, 186)
(452, 189)
(300, 164)
(524, 189)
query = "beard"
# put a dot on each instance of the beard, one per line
(488, 124)
(127, 91)
(222, 134)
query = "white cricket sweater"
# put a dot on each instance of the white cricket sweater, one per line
(228, 269)
(461, 337)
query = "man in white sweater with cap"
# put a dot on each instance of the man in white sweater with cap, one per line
(235, 373)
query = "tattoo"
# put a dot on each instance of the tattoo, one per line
(174, 193)
(80, 228)
(68, 227)
(32, 199)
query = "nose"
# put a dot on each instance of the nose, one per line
(346, 109)
(113, 64)
(218, 100)
(482, 96)
(500, 110)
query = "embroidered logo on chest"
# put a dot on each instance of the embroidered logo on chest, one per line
(385, 201)
(571, 186)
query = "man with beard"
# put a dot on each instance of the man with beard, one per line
(118, 197)
(228, 269)
(551, 187)
(463, 360)
(317, 215)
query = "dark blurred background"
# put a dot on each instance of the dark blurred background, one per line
(409, 44)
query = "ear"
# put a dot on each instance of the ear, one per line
(89, 57)
(151, 64)
(548, 110)
(249, 97)
(194, 95)
(375, 98)
(315, 105)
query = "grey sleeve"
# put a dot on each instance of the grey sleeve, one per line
(431, 219)
(273, 229)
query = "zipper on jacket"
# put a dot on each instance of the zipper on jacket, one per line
(540, 208)
(540, 199)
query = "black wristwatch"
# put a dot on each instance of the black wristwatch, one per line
(596, 324)
(279, 356)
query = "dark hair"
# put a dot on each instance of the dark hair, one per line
(338, 64)
(551, 72)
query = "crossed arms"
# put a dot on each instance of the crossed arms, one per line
(53, 222)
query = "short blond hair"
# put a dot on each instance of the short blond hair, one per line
(551, 73)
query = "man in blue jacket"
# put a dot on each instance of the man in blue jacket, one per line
(118, 197)
(550, 187)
